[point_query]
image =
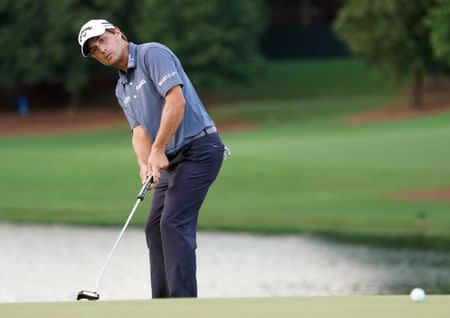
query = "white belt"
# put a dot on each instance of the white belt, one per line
(204, 132)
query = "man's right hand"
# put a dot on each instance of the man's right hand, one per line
(157, 162)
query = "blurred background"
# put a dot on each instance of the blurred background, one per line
(336, 113)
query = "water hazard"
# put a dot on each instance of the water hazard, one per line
(52, 263)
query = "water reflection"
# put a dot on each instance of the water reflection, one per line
(52, 263)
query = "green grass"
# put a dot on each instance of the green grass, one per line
(336, 179)
(302, 170)
(338, 307)
(309, 79)
(297, 111)
(294, 174)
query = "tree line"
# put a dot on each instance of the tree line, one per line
(216, 40)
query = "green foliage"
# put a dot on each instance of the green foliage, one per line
(41, 41)
(438, 21)
(33, 47)
(215, 40)
(390, 34)
(39, 38)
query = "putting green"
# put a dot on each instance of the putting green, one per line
(336, 307)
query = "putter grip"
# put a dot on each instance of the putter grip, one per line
(145, 187)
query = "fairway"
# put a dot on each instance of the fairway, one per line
(317, 307)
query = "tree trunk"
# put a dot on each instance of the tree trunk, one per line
(74, 103)
(417, 93)
(305, 12)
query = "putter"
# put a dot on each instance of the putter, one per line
(94, 295)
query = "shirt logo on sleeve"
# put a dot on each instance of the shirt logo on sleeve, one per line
(126, 100)
(166, 77)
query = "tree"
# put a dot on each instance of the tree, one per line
(393, 36)
(216, 40)
(40, 38)
(438, 20)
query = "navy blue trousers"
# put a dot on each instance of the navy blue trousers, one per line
(172, 224)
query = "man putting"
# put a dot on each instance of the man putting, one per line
(175, 141)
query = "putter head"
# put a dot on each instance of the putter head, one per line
(84, 294)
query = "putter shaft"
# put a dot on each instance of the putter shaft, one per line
(95, 295)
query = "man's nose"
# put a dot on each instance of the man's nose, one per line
(101, 48)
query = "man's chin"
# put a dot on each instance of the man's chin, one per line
(109, 63)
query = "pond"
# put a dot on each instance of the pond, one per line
(53, 263)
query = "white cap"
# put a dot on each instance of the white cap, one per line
(91, 29)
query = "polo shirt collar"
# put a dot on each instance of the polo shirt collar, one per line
(131, 62)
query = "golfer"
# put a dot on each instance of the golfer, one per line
(175, 141)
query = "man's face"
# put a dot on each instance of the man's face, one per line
(107, 48)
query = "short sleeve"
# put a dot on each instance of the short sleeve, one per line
(162, 69)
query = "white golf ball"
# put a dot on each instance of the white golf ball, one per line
(417, 295)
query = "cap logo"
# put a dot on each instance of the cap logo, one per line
(84, 32)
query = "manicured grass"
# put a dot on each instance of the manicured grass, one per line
(295, 173)
(298, 111)
(338, 307)
(309, 79)
(337, 179)
(301, 170)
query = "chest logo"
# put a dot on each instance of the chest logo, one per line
(138, 86)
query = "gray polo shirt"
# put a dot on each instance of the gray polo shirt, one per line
(152, 71)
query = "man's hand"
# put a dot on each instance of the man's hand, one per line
(157, 162)
(143, 173)
(142, 146)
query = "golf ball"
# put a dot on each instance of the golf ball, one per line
(417, 295)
